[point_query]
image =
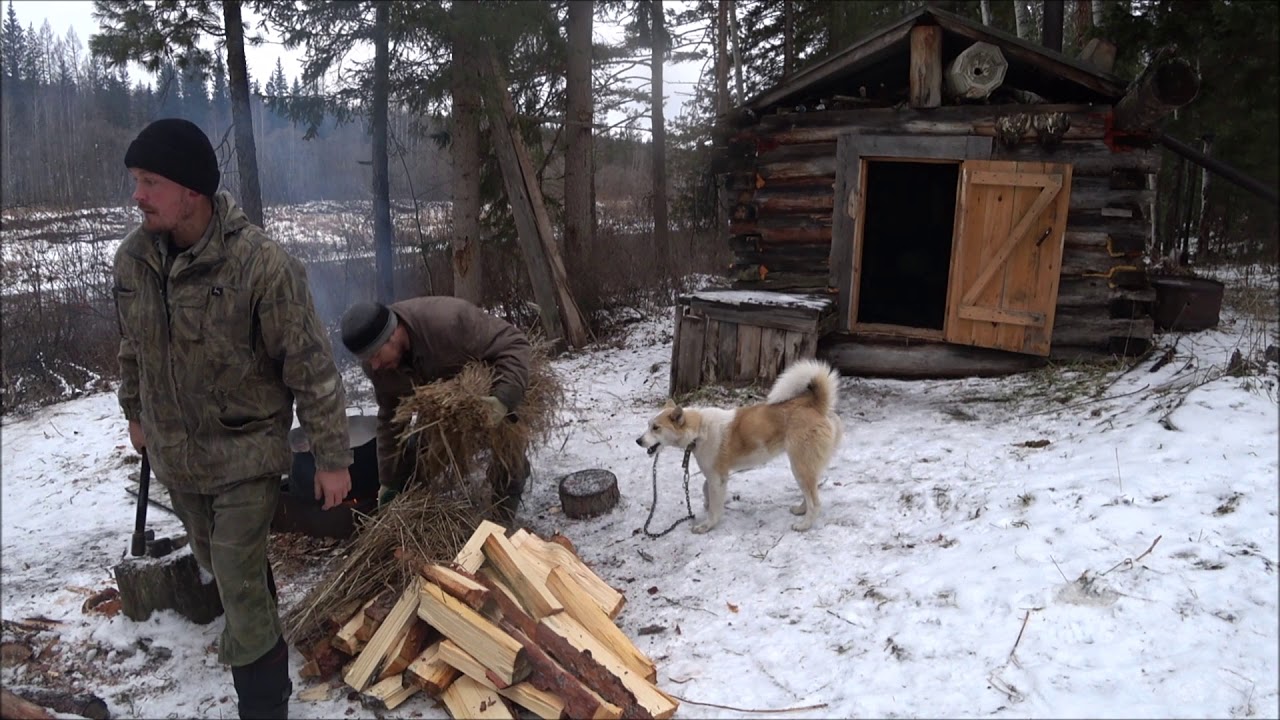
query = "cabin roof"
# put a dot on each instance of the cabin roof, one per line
(884, 57)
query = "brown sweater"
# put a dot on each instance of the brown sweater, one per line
(445, 333)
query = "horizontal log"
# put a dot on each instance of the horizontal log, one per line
(779, 261)
(782, 282)
(1087, 157)
(1165, 85)
(1088, 125)
(1092, 193)
(1124, 245)
(1095, 260)
(918, 358)
(807, 233)
(1100, 220)
(1096, 292)
(1093, 327)
(790, 201)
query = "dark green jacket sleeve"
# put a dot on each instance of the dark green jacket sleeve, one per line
(295, 338)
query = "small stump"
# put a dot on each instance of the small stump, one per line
(588, 493)
(171, 582)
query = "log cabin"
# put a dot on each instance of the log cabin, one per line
(940, 199)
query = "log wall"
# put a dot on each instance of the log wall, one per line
(780, 172)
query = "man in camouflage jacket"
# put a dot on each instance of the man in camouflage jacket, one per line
(219, 337)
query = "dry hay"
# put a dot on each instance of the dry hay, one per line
(388, 549)
(444, 423)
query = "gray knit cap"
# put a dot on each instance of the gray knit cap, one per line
(365, 327)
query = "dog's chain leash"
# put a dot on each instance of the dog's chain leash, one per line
(688, 505)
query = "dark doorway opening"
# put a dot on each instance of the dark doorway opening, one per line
(906, 243)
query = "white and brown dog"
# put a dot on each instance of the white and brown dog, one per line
(798, 418)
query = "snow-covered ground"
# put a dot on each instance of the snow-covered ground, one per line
(1068, 542)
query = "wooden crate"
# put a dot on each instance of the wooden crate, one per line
(744, 336)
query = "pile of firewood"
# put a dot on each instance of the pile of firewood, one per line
(512, 620)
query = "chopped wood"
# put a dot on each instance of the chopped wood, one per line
(457, 584)
(391, 691)
(539, 702)
(22, 709)
(570, 643)
(375, 612)
(580, 607)
(420, 635)
(471, 557)
(556, 554)
(323, 659)
(466, 698)
(522, 575)
(467, 664)
(66, 701)
(429, 672)
(345, 639)
(480, 637)
(385, 639)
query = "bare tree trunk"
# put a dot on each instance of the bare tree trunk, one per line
(1206, 143)
(381, 173)
(1022, 19)
(662, 242)
(1084, 19)
(722, 57)
(242, 114)
(465, 256)
(788, 38)
(1097, 14)
(1051, 33)
(985, 6)
(579, 226)
(737, 55)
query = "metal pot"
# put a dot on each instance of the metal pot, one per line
(362, 434)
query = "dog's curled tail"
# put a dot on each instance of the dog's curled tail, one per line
(807, 376)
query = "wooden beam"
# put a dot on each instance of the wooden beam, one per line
(926, 67)
(1165, 85)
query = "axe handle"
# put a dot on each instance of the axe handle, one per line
(138, 547)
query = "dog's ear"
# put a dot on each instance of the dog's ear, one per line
(677, 415)
(669, 404)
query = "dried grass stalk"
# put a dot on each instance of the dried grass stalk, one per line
(389, 547)
(446, 418)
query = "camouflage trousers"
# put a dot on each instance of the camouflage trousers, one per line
(228, 535)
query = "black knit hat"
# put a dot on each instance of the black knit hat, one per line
(179, 150)
(365, 327)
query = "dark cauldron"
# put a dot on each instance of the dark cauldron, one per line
(1186, 303)
(362, 435)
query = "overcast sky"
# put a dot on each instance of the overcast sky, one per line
(78, 14)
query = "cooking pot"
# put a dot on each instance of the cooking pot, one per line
(362, 436)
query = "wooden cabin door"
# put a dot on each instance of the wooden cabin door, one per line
(1007, 255)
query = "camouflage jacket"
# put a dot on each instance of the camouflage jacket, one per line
(445, 333)
(214, 351)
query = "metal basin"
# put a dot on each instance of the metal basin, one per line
(1186, 303)
(362, 439)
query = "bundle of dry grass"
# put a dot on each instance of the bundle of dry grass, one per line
(389, 548)
(444, 422)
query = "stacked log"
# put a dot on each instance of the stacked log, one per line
(514, 620)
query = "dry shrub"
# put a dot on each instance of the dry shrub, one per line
(389, 547)
(446, 418)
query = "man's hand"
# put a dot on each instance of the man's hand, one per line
(136, 436)
(332, 487)
(494, 410)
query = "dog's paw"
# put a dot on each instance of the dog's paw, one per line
(802, 524)
(799, 509)
(701, 528)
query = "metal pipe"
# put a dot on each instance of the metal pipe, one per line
(1215, 165)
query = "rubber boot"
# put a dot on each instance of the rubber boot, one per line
(508, 488)
(263, 686)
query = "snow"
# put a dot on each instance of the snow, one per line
(959, 568)
(760, 298)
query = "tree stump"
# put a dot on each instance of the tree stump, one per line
(588, 493)
(171, 582)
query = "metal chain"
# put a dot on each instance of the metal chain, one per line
(688, 505)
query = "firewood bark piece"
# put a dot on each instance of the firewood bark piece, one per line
(552, 554)
(580, 607)
(386, 638)
(64, 701)
(457, 584)
(584, 655)
(480, 637)
(375, 613)
(429, 672)
(525, 694)
(470, 557)
(521, 576)
(391, 691)
(466, 698)
(345, 639)
(12, 706)
(420, 635)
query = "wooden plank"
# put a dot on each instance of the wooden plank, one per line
(747, 362)
(925, 86)
(466, 698)
(554, 555)
(391, 691)
(501, 654)
(430, 672)
(521, 577)
(792, 343)
(579, 606)
(710, 372)
(525, 694)
(675, 381)
(772, 348)
(471, 557)
(776, 318)
(727, 350)
(345, 639)
(689, 362)
(562, 634)
(386, 638)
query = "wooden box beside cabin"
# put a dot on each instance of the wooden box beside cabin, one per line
(953, 237)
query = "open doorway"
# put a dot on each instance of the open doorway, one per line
(905, 257)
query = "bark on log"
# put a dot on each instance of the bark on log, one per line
(18, 708)
(920, 359)
(169, 582)
(71, 703)
(1088, 158)
(1165, 85)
